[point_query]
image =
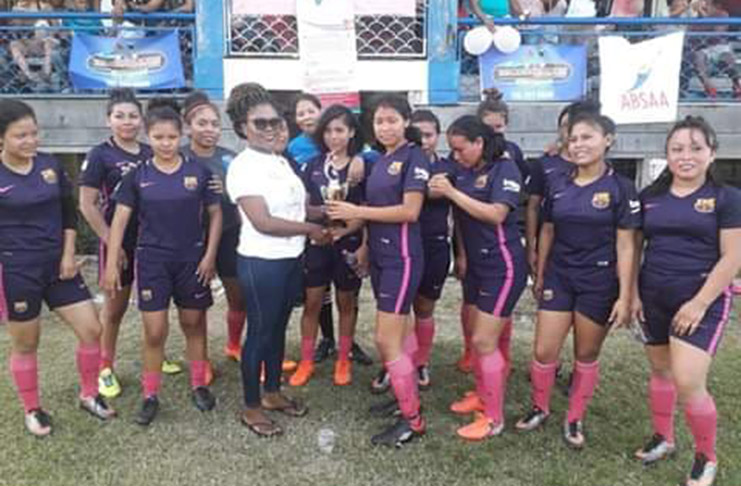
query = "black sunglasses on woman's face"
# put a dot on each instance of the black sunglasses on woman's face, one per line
(265, 124)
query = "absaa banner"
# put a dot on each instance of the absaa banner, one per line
(639, 83)
(147, 62)
(542, 72)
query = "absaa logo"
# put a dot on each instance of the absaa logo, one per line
(637, 98)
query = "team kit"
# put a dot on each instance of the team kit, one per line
(312, 206)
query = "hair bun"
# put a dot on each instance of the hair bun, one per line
(163, 102)
(493, 94)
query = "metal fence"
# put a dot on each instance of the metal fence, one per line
(710, 61)
(43, 42)
(378, 36)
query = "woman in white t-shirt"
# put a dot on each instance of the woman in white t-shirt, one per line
(272, 207)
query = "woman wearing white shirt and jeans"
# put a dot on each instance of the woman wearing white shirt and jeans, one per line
(272, 206)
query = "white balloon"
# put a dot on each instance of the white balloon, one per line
(477, 41)
(507, 39)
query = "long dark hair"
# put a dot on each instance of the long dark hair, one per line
(694, 123)
(12, 111)
(471, 127)
(426, 116)
(400, 105)
(160, 110)
(355, 146)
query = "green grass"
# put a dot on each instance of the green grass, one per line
(186, 447)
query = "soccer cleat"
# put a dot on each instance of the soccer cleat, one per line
(703, 472)
(324, 350)
(381, 382)
(573, 434)
(288, 366)
(233, 353)
(465, 364)
(481, 428)
(358, 355)
(342, 372)
(171, 367)
(470, 403)
(656, 449)
(423, 377)
(389, 408)
(97, 407)
(398, 434)
(148, 411)
(534, 419)
(303, 373)
(203, 399)
(108, 384)
(38, 422)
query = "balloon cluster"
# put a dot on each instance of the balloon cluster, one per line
(478, 40)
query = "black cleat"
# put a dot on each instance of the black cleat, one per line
(150, 407)
(324, 350)
(381, 382)
(359, 356)
(423, 377)
(203, 399)
(397, 435)
(389, 408)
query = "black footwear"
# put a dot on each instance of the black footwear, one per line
(381, 382)
(534, 419)
(573, 434)
(656, 449)
(324, 350)
(423, 377)
(703, 471)
(359, 356)
(203, 399)
(397, 434)
(38, 422)
(389, 408)
(150, 407)
(97, 407)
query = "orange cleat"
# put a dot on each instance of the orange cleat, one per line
(303, 374)
(234, 353)
(342, 372)
(465, 364)
(209, 373)
(470, 403)
(481, 428)
(289, 365)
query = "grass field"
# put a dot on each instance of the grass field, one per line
(186, 447)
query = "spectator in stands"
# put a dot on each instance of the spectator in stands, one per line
(716, 52)
(488, 10)
(35, 42)
(86, 25)
(141, 6)
(180, 6)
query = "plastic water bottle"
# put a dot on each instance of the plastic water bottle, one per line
(325, 439)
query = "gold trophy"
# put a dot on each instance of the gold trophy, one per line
(334, 190)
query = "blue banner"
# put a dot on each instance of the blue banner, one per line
(138, 62)
(541, 72)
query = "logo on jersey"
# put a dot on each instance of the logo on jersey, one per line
(481, 181)
(395, 168)
(705, 205)
(20, 307)
(635, 206)
(85, 164)
(49, 176)
(421, 174)
(601, 200)
(547, 295)
(126, 166)
(146, 295)
(510, 185)
(190, 183)
(6, 189)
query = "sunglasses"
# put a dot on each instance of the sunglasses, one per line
(265, 124)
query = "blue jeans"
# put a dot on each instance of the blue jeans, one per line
(270, 288)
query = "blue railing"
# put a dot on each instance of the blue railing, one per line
(46, 48)
(704, 51)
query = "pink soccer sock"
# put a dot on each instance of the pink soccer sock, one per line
(88, 366)
(542, 378)
(106, 359)
(345, 345)
(151, 382)
(410, 345)
(235, 324)
(702, 419)
(586, 376)
(307, 348)
(24, 369)
(505, 341)
(478, 377)
(198, 373)
(404, 382)
(425, 331)
(492, 385)
(466, 328)
(662, 397)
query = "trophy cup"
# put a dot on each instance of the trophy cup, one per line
(334, 190)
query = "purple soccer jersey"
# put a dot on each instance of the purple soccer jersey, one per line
(683, 233)
(170, 209)
(405, 170)
(31, 211)
(103, 169)
(434, 215)
(543, 169)
(586, 218)
(497, 182)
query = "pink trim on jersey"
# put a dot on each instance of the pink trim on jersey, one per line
(3, 303)
(510, 276)
(407, 268)
(727, 298)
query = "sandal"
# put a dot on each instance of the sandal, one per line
(266, 428)
(293, 407)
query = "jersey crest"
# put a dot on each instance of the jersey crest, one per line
(601, 200)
